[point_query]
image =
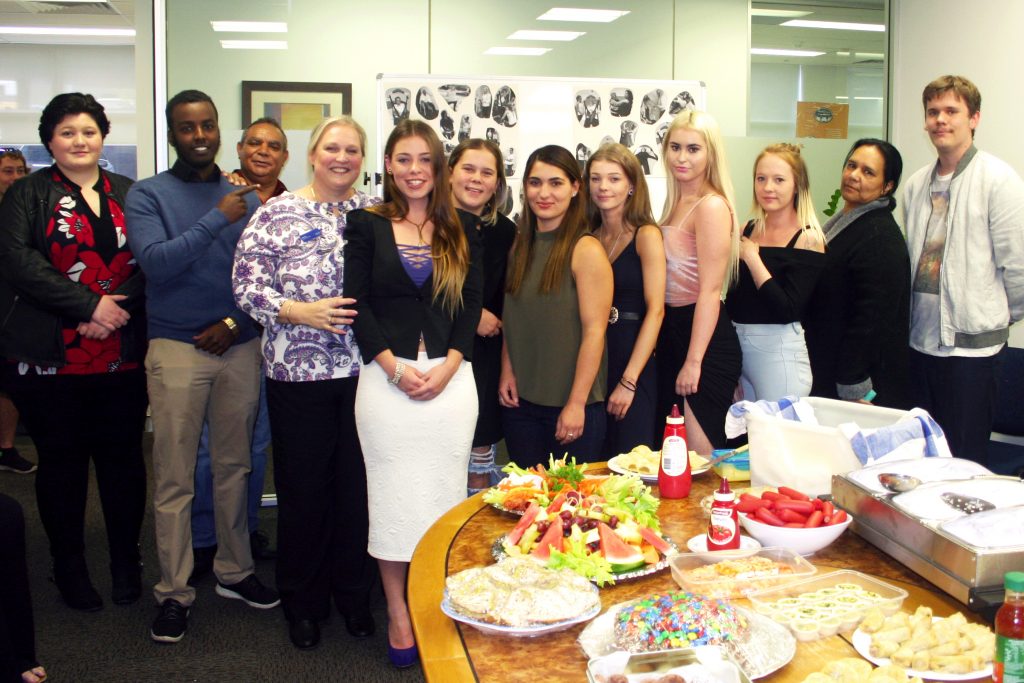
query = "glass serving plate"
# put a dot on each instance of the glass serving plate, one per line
(498, 552)
(516, 631)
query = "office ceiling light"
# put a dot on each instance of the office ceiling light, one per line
(601, 16)
(254, 44)
(778, 13)
(66, 2)
(249, 26)
(772, 52)
(835, 25)
(65, 31)
(517, 51)
(843, 53)
(562, 36)
(879, 99)
(869, 55)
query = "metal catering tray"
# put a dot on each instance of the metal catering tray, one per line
(971, 574)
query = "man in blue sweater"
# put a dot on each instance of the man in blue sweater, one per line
(203, 360)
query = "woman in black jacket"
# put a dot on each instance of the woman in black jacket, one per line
(71, 331)
(858, 319)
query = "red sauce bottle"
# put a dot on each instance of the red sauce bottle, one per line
(1008, 666)
(724, 527)
(674, 476)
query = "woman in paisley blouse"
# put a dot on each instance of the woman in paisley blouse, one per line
(72, 330)
(288, 276)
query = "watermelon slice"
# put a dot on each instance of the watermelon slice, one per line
(552, 538)
(556, 504)
(622, 557)
(524, 523)
(652, 537)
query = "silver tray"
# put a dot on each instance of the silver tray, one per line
(516, 631)
(498, 552)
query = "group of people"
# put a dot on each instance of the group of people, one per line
(403, 337)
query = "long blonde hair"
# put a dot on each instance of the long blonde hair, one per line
(449, 247)
(574, 224)
(637, 211)
(716, 177)
(805, 215)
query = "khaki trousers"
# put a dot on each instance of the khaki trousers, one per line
(187, 385)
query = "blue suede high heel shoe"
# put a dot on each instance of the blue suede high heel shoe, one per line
(404, 658)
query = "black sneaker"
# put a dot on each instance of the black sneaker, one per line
(250, 591)
(170, 624)
(11, 460)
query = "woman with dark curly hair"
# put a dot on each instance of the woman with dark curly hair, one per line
(73, 334)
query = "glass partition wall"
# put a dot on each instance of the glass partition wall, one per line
(756, 97)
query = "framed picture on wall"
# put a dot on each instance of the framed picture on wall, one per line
(297, 106)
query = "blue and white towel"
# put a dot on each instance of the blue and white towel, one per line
(915, 436)
(787, 407)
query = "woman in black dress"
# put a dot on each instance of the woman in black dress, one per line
(858, 322)
(478, 187)
(620, 216)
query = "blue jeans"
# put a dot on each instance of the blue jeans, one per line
(530, 434)
(204, 533)
(775, 361)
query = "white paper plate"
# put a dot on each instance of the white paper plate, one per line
(698, 545)
(516, 631)
(862, 643)
(615, 465)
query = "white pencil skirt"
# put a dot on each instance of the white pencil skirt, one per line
(416, 454)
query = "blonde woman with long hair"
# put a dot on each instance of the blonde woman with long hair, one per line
(620, 216)
(412, 265)
(781, 257)
(698, 354)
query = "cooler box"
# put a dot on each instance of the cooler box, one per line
(805, 456)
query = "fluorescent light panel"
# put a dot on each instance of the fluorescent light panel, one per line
(772, 52)
(778, 13)
(254, 44)
(868, 98)
(835, 25)
(562, 36)
(249, 26)
(517, 51)
(869, 55)
(602, 16)
(64, 31)
(81, 2)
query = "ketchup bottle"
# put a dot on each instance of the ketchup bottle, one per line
(674, 477)
(1008, 666)
(724, 527)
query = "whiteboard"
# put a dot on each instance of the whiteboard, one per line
(522, 114)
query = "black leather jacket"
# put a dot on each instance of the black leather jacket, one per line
(34, 297)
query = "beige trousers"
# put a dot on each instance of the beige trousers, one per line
(187, 385)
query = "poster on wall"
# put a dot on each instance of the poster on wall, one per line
(296, 106)
(822, 120)
(522, 114)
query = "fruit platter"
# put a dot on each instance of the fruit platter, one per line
(539, 484)
(608, 535)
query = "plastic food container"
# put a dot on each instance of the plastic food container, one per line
(716, 664)
(835, 601)
(788, 565)
(736, 468)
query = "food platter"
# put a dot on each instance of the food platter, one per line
(862, 643)
(498, 552)
(698, 465)
(516, 631)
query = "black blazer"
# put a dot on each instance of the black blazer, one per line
(393, 311)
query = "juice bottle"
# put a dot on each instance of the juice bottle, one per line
(1008, 666)
(674, 476)
(724, 527)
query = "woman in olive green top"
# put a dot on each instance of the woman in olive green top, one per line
(559, 296)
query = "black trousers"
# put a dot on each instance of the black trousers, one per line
(960, 393)
(17, 630)
(322, 516)
(73, 419)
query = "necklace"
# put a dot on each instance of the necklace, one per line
(419, 227)
(615, 244)
(336, 207)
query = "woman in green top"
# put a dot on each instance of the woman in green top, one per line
(557, 302)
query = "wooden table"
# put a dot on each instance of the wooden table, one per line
(462, 538)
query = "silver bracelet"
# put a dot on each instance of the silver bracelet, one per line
(399, 371)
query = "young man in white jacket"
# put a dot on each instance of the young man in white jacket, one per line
(964, 217)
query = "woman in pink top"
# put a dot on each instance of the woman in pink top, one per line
(699, 357)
